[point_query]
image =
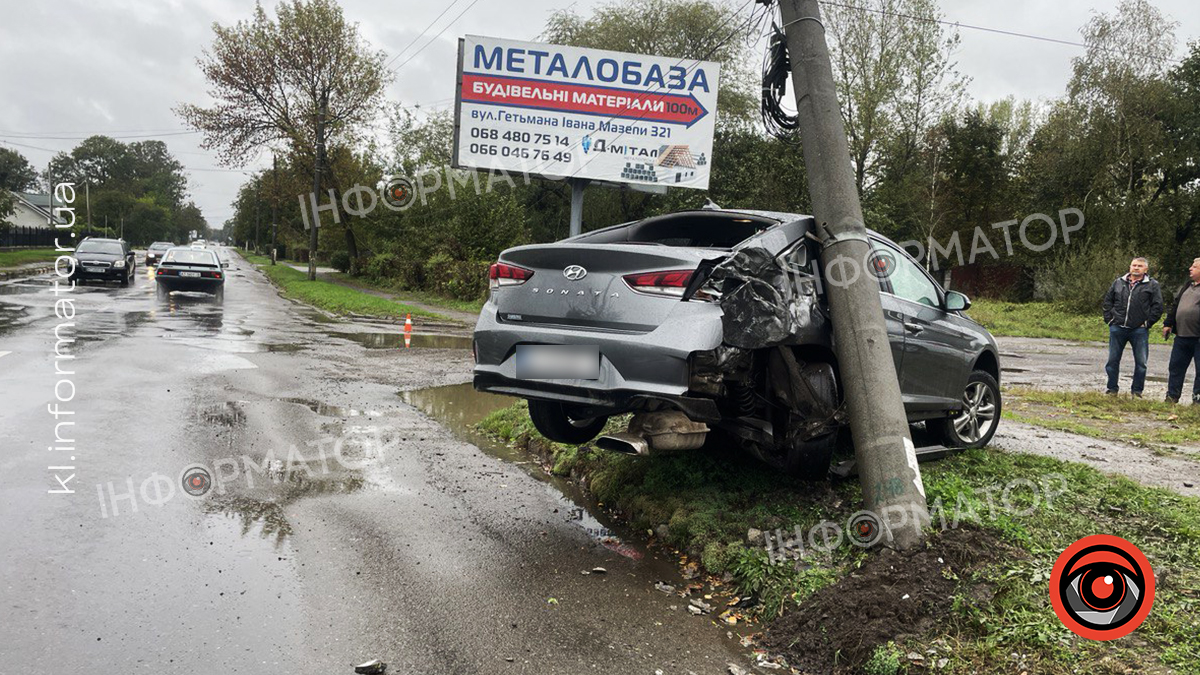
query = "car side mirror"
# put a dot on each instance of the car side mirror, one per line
(957, 302)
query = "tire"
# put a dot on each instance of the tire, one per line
(553, 421)
(808, 460)
(126, 279)
(976, 424)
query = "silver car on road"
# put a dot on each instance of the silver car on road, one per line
(716, 320)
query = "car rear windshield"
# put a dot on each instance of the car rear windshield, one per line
(188, 256)
(161, 245)
(693, 229)
(100, 247)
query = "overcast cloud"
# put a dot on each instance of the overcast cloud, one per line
(75, 68)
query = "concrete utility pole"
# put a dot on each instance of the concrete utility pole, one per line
(577, 186)
(316, 218)
(883, 449)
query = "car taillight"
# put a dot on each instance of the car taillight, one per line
(214, 275)
(670, 283)
(503, 274)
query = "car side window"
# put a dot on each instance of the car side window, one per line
(911, 283)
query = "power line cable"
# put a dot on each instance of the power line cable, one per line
(435, 37)
(414, 40)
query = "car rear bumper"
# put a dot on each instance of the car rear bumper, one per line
(200, 285)
(635, 368)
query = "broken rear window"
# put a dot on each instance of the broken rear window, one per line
(697, 229)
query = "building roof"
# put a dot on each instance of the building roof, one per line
(40, 203)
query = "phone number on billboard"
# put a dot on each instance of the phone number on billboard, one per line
(520, 136)
(518, 152)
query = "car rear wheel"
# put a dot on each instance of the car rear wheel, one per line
(553, 420)
(974, 426)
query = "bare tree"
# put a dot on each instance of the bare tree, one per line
(303, 79)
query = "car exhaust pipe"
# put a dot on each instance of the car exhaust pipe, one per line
(624, 443)
(656, 433)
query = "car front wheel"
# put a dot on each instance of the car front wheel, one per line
(553, 420)
(975, 424)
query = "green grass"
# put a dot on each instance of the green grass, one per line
(1095, 414)
(709, 498)
(17, 258)
(424, 297)
(1037, 319)
(333, 297)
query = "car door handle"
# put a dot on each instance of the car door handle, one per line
(913, 328)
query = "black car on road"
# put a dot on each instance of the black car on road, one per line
(190, 269)
(105, 260)
(156, 250)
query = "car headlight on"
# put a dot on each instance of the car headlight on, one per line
(120, 264)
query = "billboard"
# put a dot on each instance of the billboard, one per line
(557, 111)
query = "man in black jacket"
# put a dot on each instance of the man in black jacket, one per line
(1131, 306)
(1184, 321)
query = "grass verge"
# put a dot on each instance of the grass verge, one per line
(709, 500)
(423, 297)
(16, 258)
(1117, 418)
(333, 297)
(1037, 319)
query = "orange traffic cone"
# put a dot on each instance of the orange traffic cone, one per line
(407, 331)
(407, 340)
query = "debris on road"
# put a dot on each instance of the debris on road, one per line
(372, 667)
(665, 588)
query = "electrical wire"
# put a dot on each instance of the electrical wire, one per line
(435, 37)
(414, 40)
(775, 73)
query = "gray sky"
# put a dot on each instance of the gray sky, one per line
(73, 67)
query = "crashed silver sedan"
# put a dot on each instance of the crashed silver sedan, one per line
(716, 321)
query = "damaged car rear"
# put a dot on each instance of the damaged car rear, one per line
(716, 320)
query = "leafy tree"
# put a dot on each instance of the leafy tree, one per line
(894, 79)
(16, 173)
(301, 79)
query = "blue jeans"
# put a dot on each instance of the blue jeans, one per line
(1139, 339)
(1185, 349)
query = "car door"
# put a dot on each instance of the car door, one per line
(936, 352)
(893, 314)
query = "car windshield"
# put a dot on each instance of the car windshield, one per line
(189, 256)
(112, 247)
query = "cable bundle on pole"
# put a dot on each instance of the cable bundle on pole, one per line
(775, 73)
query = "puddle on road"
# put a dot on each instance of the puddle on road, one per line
(395, 340)
(18, 288)
(327, 410)
(459, 408)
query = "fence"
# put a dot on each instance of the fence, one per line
(24, 236)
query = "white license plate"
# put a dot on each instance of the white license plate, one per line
(189, 274)
(94, 270)
(558, 362)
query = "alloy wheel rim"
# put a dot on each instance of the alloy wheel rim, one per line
(979, 413)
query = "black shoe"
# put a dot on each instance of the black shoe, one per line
(1111, 392)
(1171, 399)
(1195, 399)
(1137, 394)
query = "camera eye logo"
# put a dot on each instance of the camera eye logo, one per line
(399, 192)
(1102, 587)
(882, 264)
(197, 481)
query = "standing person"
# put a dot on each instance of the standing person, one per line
(1184, 321)
(1131, 306)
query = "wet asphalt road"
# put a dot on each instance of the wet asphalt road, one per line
(341, 525)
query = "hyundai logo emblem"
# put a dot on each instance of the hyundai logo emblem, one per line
(575, 272)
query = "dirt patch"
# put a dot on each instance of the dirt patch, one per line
(893, 595)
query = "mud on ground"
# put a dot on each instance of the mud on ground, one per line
(895, 594)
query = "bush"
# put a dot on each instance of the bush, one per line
(381, 266)
(459, 279)
(1079, 278)
(340, 261)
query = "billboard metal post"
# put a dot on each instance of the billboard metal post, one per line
(577, 186)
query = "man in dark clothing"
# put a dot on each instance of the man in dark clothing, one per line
(1132, 305)
(1184, 321)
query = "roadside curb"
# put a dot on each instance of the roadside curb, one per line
(19, 272)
